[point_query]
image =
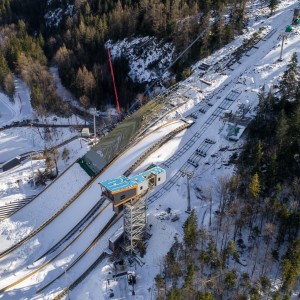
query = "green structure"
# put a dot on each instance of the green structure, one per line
(289, 28)
(116, 141)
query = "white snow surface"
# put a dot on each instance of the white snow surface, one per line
(259, 68)
(19, 108)
(143, 53)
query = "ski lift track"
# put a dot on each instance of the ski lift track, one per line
(200, 152)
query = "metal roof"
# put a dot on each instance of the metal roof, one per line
(156, 170)
(122, 182)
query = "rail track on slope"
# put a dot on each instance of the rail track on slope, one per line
(45, 264)
(112, 222)
(201, 150)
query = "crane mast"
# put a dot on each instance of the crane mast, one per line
(115, 88)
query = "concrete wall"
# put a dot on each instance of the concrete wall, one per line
(142, 187)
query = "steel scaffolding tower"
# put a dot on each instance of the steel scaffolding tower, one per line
(135, 221)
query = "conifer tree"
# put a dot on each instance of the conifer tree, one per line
(291, 266)
(204, 296)
(190, 231)
(282, 128)
(273, 5)
(254, 186)
(289, 83)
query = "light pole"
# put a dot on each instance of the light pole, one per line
(95, 111)
(283, 36)
(189, 175)
(33, 178)
(31, 125)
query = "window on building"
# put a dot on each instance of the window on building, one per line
(141, 188)
(158, 178)
(122, 197)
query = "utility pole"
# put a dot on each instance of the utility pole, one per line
(33, 178)
(188, 194)
(283, 36)
(95, 110)
(31, 125)
(189, 175)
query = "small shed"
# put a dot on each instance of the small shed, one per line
(289, 28)
(116, 239)
(85, 132)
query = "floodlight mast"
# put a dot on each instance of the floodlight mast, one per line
(189, 175)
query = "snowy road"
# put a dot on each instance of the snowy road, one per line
(19, 108)
(7, 110)
(22, 97)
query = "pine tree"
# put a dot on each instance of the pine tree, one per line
(230, 279)
(204, 296)
(289, 83)
(282, 129)
(254, 186)
(174, 294)
(6, 78)
(259, 155)
(273, 5)
(190, 276)
(190, 231)
(291, 266)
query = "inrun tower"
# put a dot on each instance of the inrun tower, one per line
(130, 194)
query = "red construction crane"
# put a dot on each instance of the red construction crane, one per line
(115, 89)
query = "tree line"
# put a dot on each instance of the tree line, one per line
(77, 44)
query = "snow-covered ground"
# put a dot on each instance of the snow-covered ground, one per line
(151, 52)
(247, 76)
(16, 184)
(17, 110)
